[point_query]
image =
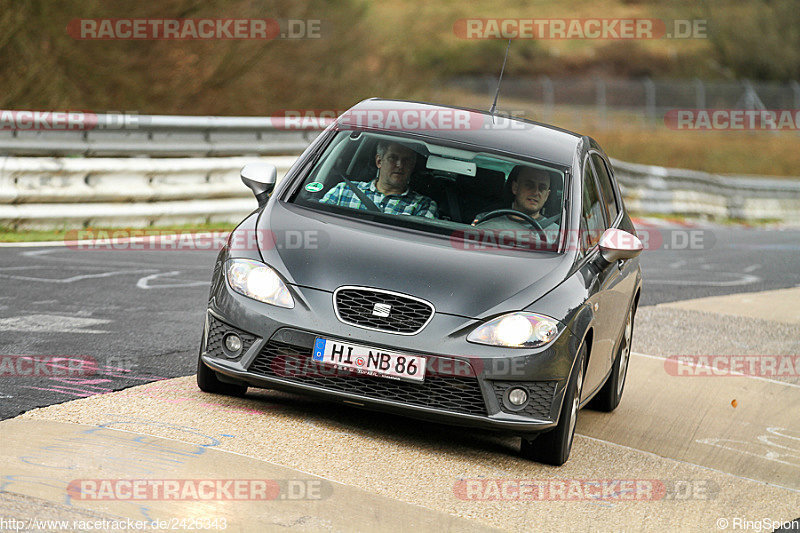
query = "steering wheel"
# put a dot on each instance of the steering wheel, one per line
(513, 212)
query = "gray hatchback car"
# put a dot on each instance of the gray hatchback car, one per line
(436, 262)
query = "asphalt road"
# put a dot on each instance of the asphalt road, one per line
(129, 317)
(686, 263)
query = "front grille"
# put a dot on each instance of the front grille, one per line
(357, 306)
(540, 397)
(294, 363)
(217, 330)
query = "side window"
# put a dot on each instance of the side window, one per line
(608, 189)
(592, 221)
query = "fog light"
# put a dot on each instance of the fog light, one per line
(233, 344)
(517, 396)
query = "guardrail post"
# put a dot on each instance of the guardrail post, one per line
(548, 96)
(751, 99)
(796, 91)
(600, 88)
(650, 100)
(699, 94)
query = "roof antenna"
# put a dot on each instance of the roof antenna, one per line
(499, 81)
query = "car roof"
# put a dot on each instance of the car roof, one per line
(477, 128)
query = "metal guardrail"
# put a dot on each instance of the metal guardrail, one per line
(673, 191)
(55, 192)
(126, 134)
(70, 180)
(46, 192)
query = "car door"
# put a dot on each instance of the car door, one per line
(601, 278)
(621, 287)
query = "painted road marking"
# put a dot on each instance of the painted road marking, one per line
(144, 283)
(71, 279)
(711, 369)
(691, 418)
(48, 255)
(52, 324)
(738, 279)
(775, 445)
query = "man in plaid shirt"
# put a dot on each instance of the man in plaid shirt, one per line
(390, 190)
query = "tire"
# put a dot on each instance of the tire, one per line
(610, 395)
(553, 447)
(208, 381)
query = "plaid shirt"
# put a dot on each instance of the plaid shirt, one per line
(408, 203)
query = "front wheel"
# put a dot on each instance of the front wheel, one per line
(553, 447)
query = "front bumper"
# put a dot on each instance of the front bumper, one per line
(464, 383)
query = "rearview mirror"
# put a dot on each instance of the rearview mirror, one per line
(468, 168)
(260, 178)
(616, 244)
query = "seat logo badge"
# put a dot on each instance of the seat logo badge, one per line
(382, 310)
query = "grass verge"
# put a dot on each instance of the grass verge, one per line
(65, 234)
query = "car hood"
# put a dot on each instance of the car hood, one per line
(325, 252)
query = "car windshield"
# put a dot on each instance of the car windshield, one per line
(480, 199)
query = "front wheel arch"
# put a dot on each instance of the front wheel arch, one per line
(587, 338)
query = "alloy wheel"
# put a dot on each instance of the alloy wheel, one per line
(625, 353)
(576, 401)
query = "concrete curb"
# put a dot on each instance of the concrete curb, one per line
(239, 491)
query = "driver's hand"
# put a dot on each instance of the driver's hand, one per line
(474, 222)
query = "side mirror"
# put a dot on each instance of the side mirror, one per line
(260, 178)
(616, 244)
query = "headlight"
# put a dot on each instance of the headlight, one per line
(517, 330)
(257, 281)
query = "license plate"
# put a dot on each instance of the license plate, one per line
(369, 361)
